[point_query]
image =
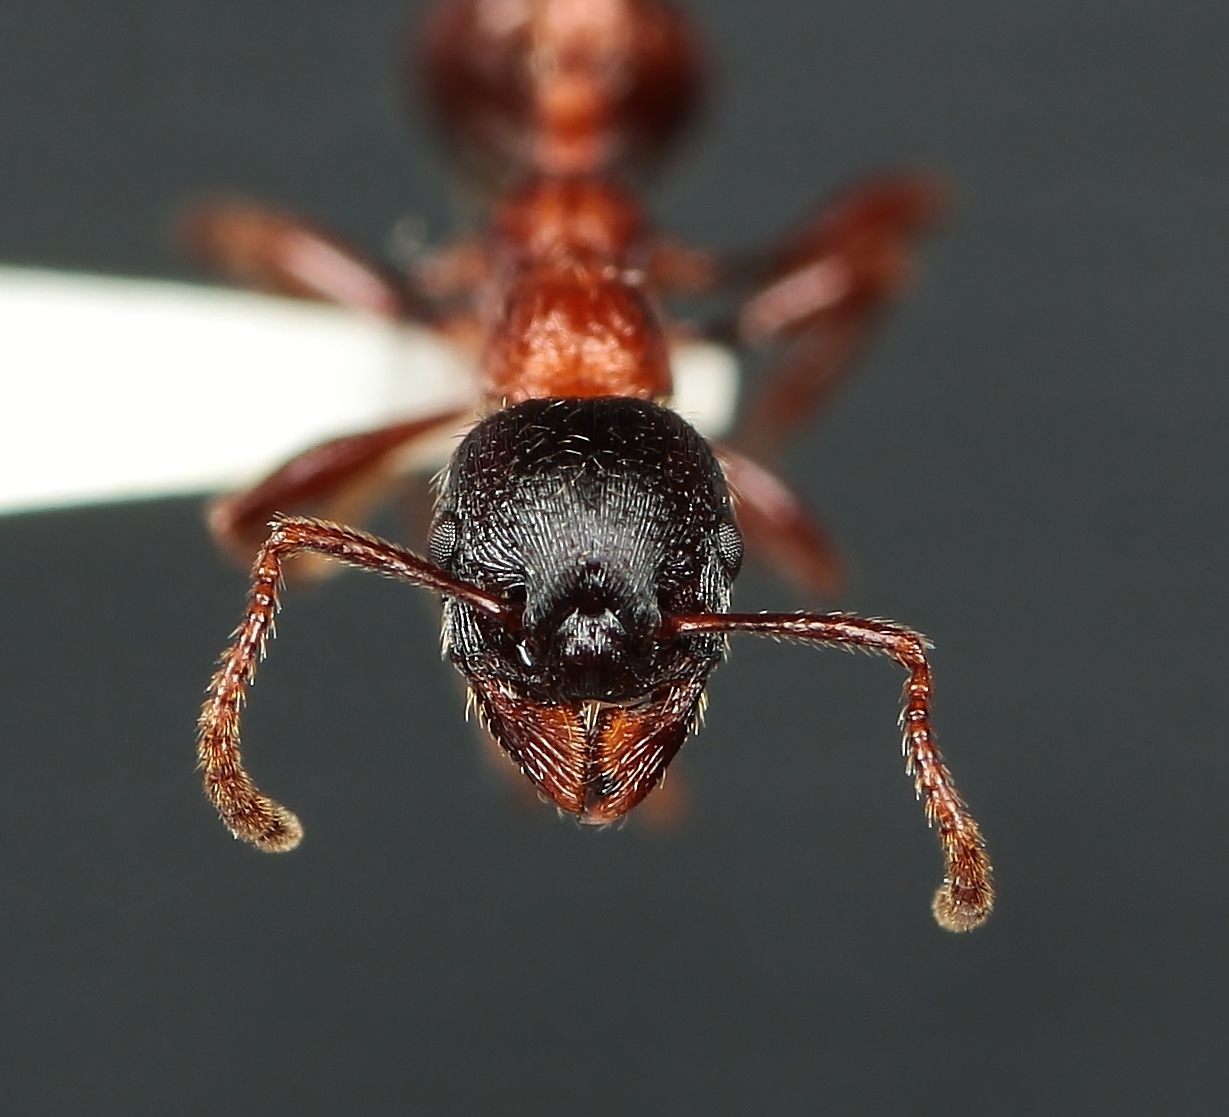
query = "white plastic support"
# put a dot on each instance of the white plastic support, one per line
(119, 389)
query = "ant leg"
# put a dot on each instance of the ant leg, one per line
(247, 812)
(275, 252)
(966, 897)
(823, 293)
(340, 480)
(676, 268)
(778, 529)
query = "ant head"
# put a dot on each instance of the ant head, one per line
(594, 518)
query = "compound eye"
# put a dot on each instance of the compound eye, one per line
(442, 542)
(730, 546)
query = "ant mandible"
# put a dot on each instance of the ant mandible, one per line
(585, 538)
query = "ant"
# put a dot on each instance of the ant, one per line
(585, 538)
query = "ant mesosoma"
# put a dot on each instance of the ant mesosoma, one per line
(585, 538)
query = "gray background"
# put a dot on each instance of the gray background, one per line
(1031, 468)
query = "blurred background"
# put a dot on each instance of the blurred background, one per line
(1031, 467)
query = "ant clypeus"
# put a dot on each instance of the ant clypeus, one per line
(584, 539)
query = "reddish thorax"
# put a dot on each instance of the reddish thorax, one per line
(555, 98)
(568, 315)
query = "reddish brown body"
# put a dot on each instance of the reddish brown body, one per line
(584, 540)
(570, 314)
(564, 86)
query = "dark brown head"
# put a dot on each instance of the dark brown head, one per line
(559, 86)
(595, 519)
